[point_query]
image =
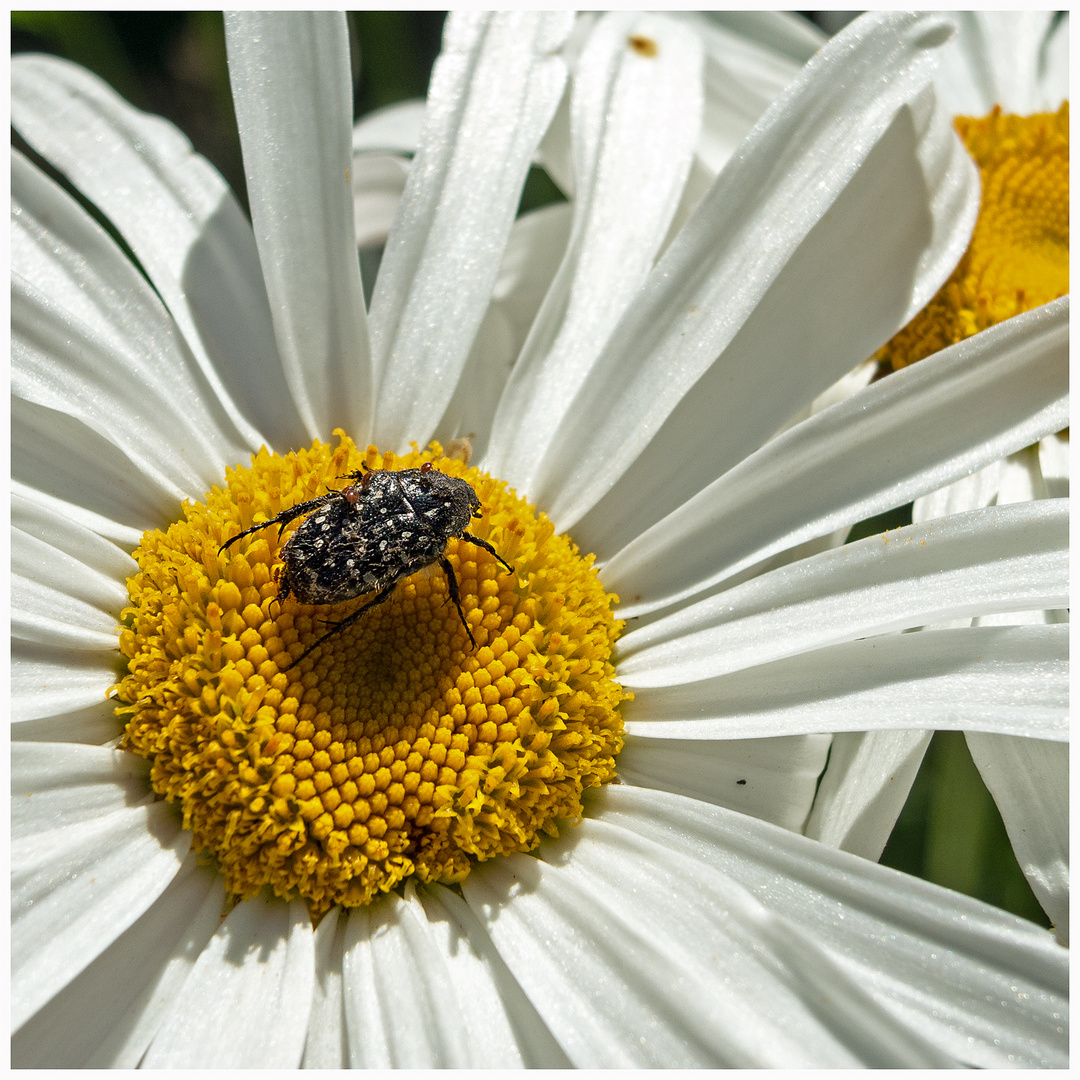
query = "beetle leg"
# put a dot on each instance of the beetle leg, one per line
(455, 595)
(344, 624)
(283, 518)
(487, 547)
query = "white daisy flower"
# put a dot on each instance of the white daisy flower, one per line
(389, 875)
(1016, 62)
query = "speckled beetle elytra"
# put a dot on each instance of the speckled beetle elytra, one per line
(368, 536)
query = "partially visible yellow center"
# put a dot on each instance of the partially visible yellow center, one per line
(394, 748)
(1018, 257)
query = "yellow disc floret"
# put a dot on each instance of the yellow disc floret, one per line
(1018, 257)
(395, 748)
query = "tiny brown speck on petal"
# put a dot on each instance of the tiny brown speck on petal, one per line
(644, 46)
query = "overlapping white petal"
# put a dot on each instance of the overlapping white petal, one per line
(1029, 780)
(732, 286)
(292, 89)
(864, 788)
(1010, 680)
(178, 217)
(246, 1000)
(493, 91)
(921, 428)
(90, 853)
(111, 1010)
(774, 779)
(1003, 58)
(987, 988)
(828, 959)
(425, 988)
(1007, 558)
(635, 117)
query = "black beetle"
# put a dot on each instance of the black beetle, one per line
(368, 536)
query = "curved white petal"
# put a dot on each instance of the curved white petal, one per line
(773, 779)
(182, 223)
(1029, 780)
(1006, 679)
(378, 181)
(292, 89)
(327, 1045)
(786, 276)
(424, 988)
(1005, 558)
(864, 788)
(246, 1001)
(395, 128)
(86, 860)
(111, 1010)
(493, 91)
(635, 117)
(974, 982)
(128, 396)
(919, 429)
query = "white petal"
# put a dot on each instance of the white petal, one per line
(1006, 679)
(493, 91)
(1054, 465)
(246, 1002)
(156, 412)
(43, 563)
(911, 433)
(742, 79)
(292, 89)
(744, 281)
(634, 121)
(424, 986)
(982, 985)
(395, 128)
(377, 183)
(47, 682)
(772, 779)
(1005, 558)
(533, 252)
(110, 1011)
(1029, 780)
(785, 32)
(995, 59)
(864, 788)
(327, 1045)
(1054, 81)
(72, 539)
(181, 221)
(50, 617)
(82, 873)
(49, 450)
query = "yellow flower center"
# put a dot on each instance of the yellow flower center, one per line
(393, 748)
(1018, 257)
